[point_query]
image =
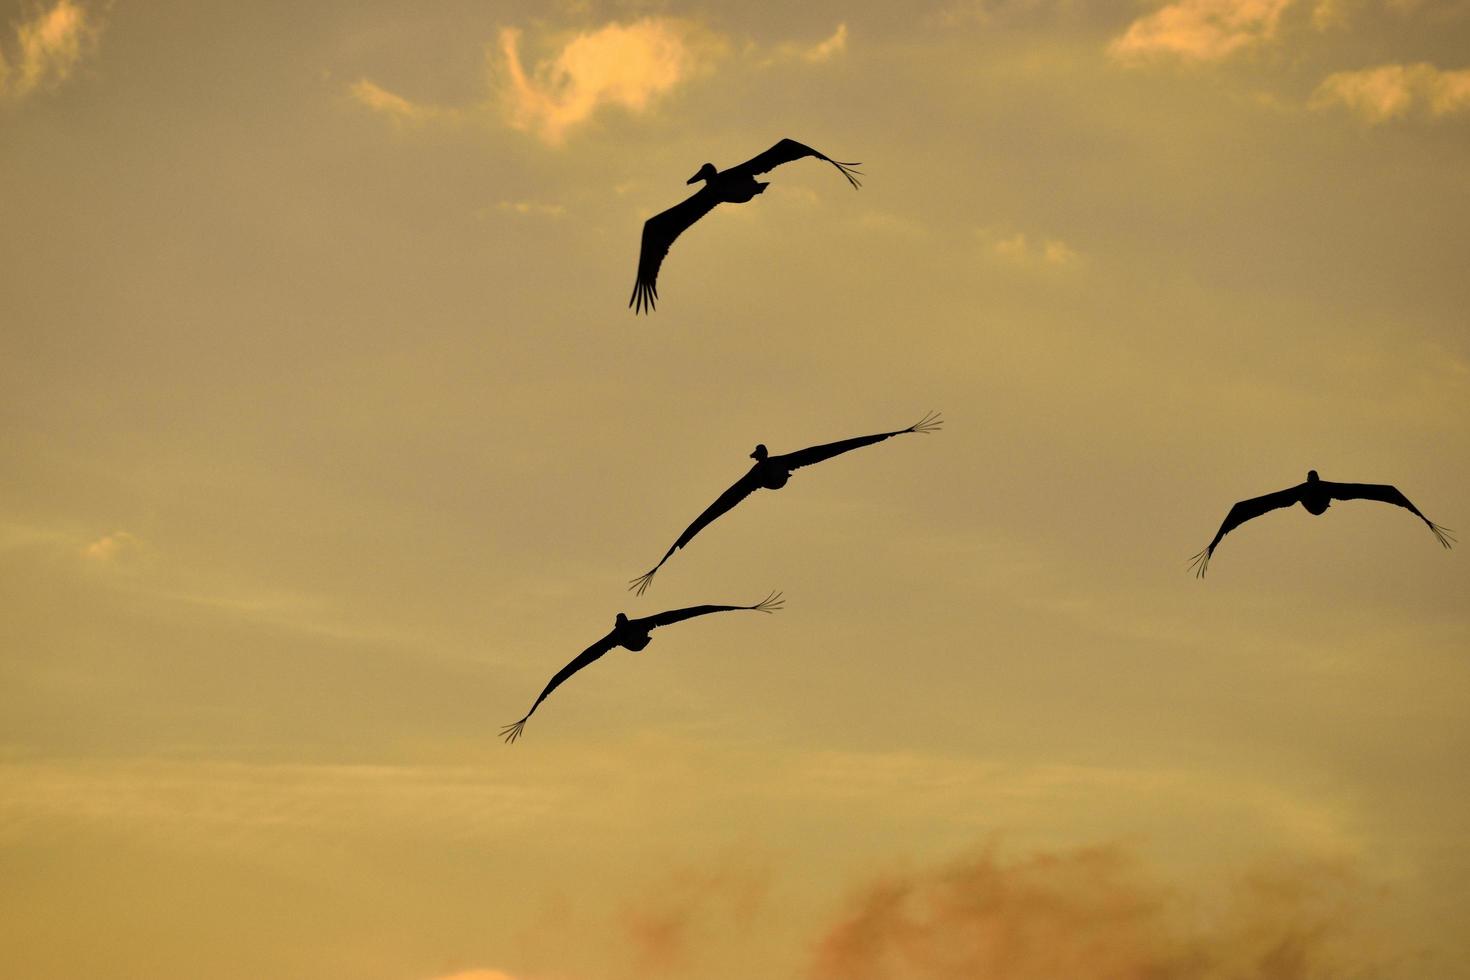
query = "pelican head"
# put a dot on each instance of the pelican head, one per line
(622, 620)
(706, 172)
(760, 453)
(1311, 476)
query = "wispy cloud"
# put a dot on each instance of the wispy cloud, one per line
(829, 48)
(629, 66)
(392, 105)
(1394, 91)
(49, 47)
(1199, 30)
(111, 547)
(532, 208)
(1020, 249)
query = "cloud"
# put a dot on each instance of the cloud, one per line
(536, 208)
(622, 65)
(394, 106)
(476, 975)
(1091, 914)
(50, 46)
(832, 46)
(1199, 30)
(1392, 91)
(667, 929)
(111, 547)
(1020, 250)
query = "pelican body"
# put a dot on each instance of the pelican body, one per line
(771, 473)
(734, 186)
(630, 634)
(1315, 496)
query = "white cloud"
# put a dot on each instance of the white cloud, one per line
(50, 46)
(1199, 30)
(1393, 91)
(629, 66)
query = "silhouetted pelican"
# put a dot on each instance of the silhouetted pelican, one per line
(1316, 496)
(734, 186)
(772, 472)
(633, 635)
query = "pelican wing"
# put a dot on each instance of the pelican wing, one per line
(741, 489)
(1388, 495)
(513, 731)
(1242, 512)
(788, 150)
(659, 233)
(816, 454)
(769, 604)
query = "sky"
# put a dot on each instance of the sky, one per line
(328, 438)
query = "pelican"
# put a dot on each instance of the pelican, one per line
(1316, 495)
(734, 186)
(772, 472)
(631, 634)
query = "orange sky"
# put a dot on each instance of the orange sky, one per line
(329, 438)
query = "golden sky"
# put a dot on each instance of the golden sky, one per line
(329, 438)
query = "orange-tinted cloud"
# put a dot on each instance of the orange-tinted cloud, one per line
(1393, 91)
(1199, 30)
(110, 547)
(390, 104)
(1091, 914)
(628, 66)
(50, 45)
(667, 929)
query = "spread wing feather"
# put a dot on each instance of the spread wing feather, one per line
(513, 731)
(788, 150)
(769, 604)
(1389, 495)
(741, 489)
(816, 454)
(1243, 511)
(659, 233)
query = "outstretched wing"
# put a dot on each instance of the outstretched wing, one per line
(1242, 512)
(741, 489)
(769, 604)
(513, 731)
(1388, 495)
(788, 150)
(816, 454)
(659, 233)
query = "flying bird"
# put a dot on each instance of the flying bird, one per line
(1316, 495)
(631, 634)
(734, 186)
(772, 472)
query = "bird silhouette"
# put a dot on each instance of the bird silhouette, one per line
(1316, 495)
(772, 472)
(734, 186)
(632, 634)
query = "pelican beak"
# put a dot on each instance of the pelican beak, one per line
(695, 178)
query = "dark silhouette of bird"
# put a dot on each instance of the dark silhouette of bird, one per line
(632, 634)
(734, 186)
(772, 472)
(1316, 495)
